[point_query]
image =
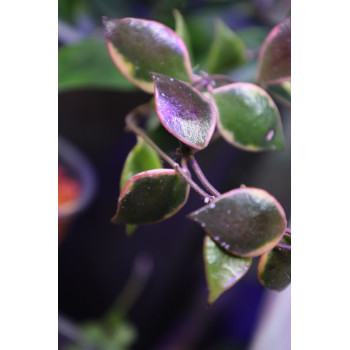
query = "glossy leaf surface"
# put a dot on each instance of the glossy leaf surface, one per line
(138, 47)
(86, 64)
(141, 158)
(222, 270)
(184, 112)
(151, 196)
(182, 31)
(275, 55)
(248, 118)
(227, 50)
(246, 222)
(274, 268)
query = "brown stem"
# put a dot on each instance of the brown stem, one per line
(131, 123)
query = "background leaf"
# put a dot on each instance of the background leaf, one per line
(151, 196)
(248, 118)
(138, 47)
(275, 55)
(182, 31)
(222, 270)
(87, 64)
(227, 50)
(184, 112)
(246, 222)
(281, 92)
(274, 268)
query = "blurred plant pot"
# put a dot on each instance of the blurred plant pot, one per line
(76, 185)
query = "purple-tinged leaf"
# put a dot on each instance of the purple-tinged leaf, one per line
(246, 222)
(138, 47)
(248, 118)
(184, 112)
(222, 270)
(275, 55)
(151, 196)
(274, 268)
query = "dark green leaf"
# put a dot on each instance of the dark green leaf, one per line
(184, 112)
(281, 92)
(227, 50)
(87, 64)
(274, 270)
(253, 37)
(246, 222)
(182, 31)
(138, 47)
(248, 118)
(151, 196)
(222, 270)
(275, 55)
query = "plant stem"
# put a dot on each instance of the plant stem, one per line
(132, 126)
(195, 166)
(284, 246)
(288, 231)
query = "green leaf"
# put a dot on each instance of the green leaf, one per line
(222, 270)
(281, 92)
(141, 158)
(274, 268)
(275, 55)
(182, 31)
(151, 196)
(227, 50)
(253, 36)
(248, 118)
(87, 64)
(246, 222)
(184, 112)
(138, 47)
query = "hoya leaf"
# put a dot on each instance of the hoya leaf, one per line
(138, 47)
(222, 270)
(86, 64)
(184, 112)
(151, 196)
(141, 158)
(246, 222)
(227, 50)
(274, 268)
(248, 118)
(275, 55)
(182, 31)
(281, 92)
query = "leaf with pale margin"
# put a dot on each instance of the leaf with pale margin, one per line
(151, 196)
(86, 64)
(274, 268)
(185, 112)
(248, 117)
(141, 158)
(281, 93)
(222, 270)
(227, 50)
(275, 55)
(182, 31)
(246, 222)
(138, 47)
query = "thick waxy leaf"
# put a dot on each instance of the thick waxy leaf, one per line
(282, 92)
(248, 118)
(182, 31)
(227, 50)
(87, 64)
(274, 268)
(246, 222)
(151, 196)
(139, 47)
(141, 158)
(222, 270)
(183, 111)
(275, 55)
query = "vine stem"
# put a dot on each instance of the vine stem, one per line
(284, 246)
(195, 166)
(131, 125)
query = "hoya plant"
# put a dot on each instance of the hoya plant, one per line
(196, 107)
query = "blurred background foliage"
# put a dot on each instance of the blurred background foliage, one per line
(96, 259)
